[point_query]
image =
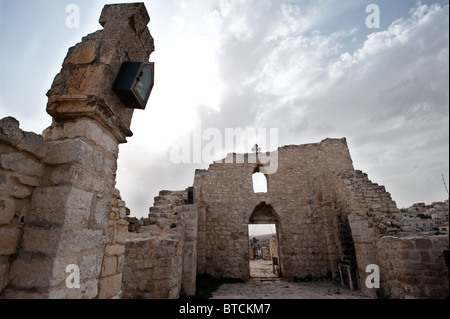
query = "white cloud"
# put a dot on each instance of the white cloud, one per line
(390, 95)
(275, 64)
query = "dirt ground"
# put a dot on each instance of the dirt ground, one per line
(265, 285)
(261, 268)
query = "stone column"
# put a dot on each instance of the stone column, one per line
(365, 248)
(68, 220)
(190, 251)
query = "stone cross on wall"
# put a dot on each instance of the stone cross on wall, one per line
(256, 149)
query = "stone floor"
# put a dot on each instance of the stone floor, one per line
(261, 268)
(275, 288)
(264, 285)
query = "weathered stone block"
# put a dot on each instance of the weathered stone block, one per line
(101, 208)
(27, 180)
(411, 291)
(110, 286)
(20, 192)
(122, 212)
(79, 240)
(44, 239)
(440, 242)
(21, 164)
(164, 273)
(112, 54)
(79, 177)
(10, 132)
(91, 263)
(120, 263)
(88, 290)
(133, 14)
(89, 80)
(83, 53)
(109, 266)
(121, 234)
(425, 256)
(3, 181)
(68, 151)
(435, 292)
(7, 210)
(37, 268)
(3, 275)
(47, 203)
(9, 238)
(423, 243)
(32, 143)
(114, 250)
(87, 129)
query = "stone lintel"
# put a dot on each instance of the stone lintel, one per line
(74, 106)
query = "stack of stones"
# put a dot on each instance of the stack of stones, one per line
(160, 260)
(21, 171)
(113, 260)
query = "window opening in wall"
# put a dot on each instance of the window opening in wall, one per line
(263, 251)
(190, 195)
(259, 183)
(348, 274)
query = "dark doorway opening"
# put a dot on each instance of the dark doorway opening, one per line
(263, 240)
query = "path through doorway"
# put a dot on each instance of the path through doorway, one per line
(263, 251)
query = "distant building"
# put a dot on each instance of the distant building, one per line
(426, 217)
(443, 227)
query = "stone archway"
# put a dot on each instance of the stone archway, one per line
(265, 214)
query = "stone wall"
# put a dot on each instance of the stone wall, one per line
(21, 170)
(59, 206)
(326, 214)
(26, 219)
(152, 267)
(274, 254)
(365, 210)
(56, 189)
(110, 282)
(413, 266)
(225, 199)
(160, 260)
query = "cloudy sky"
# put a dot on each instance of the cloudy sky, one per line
(309, 69)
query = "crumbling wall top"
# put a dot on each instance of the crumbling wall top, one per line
(133, 14)
(83, 88)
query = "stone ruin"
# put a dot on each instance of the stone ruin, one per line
(57, 188)
(59, 206)
(160, 259)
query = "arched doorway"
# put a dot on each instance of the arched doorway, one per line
(264, 247)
